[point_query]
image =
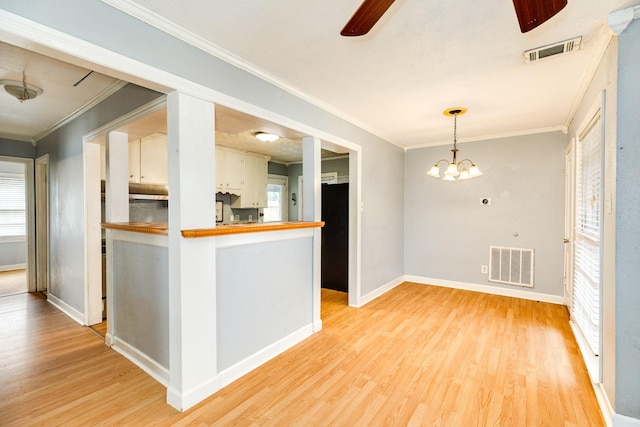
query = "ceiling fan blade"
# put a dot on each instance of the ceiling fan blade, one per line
(365, 17)
(532, 13)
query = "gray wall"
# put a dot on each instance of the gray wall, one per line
(141, 298)
(13, 254)
(627, 400)
(274, 168)
(448, 230)
(66, 191)
(383, 163)
(13, 148)
(264, 294)
(341, 166)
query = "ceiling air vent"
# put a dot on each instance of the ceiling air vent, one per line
(542, 52)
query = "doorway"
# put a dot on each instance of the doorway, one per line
(277, 202)
(335, 237)
(17, 226)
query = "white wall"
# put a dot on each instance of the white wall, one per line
(448, 230)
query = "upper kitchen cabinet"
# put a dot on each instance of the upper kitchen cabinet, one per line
(254, 192)
(148, 162)
(229, 170)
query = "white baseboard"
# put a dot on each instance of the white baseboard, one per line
(377, 292)
(604, 403)
(144, 362)
(515, 293)
(76, 315)
(13, 267)
(624, 421)
(185, 400)
(247, 365)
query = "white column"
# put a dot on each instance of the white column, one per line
(192, 287)
(116, 209)
(312, 211)
(117, 178)
(311, 171)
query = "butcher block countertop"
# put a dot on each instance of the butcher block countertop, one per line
(220, 230)
(138, 227)
(249, 228)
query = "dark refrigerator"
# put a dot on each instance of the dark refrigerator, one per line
(335, 237)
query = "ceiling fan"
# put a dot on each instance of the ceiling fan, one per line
(530, 13)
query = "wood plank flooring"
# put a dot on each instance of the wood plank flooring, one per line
(418, 355)
(13, 282)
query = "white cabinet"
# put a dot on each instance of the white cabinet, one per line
(148, 161)
(229, 171)
(254, 191)
(134, 161)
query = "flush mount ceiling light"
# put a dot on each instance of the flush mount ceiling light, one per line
(266, 137)
(463, 169)
(20, 90)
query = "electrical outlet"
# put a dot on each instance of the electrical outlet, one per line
(484, 269)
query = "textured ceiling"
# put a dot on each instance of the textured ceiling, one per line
(29, 120)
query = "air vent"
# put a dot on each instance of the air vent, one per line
(512, 266)
(552, 49)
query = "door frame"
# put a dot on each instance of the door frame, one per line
(42, 222)
(284, 181)
(569, 221)
(29, 186)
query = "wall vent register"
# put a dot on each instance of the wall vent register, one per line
(511, 266)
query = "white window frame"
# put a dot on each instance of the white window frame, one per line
(588, 238)
(281, 180)
(17, 237)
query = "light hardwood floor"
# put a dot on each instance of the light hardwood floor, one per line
(418, 355)
(13, 282)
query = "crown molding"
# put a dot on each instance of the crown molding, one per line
(19, 138)
(562, 129)
(620, 19)
(602, 42)
(104, 94)
(145, 15)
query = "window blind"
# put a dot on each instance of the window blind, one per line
(12, 205)
(585, 308)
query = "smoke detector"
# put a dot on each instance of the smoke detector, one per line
(543, 52)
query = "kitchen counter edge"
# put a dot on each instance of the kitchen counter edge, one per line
(161, 228)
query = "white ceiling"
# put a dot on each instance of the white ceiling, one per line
(421, 58)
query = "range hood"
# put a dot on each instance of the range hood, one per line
(144, 191)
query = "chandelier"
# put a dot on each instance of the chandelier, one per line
(455, 170)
